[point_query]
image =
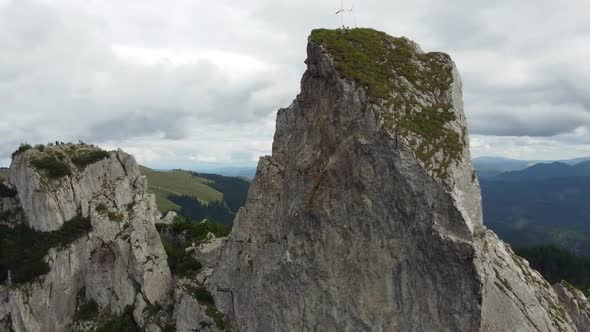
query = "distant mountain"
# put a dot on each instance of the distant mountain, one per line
(546, 171)
(197, 195)
(234, 189)
(179, 183)
(575, 160)
(488, 167)
(247, 172)
(491, 166)
(528, 209)
(583, 167)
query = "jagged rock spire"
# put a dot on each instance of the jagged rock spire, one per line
(367, 216)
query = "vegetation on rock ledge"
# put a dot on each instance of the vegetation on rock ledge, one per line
(23, 249)
(86, 309)
(557, 264)
(393, 71)
(121, 323)
(59, 160)
(180, 235)
(176, 237)
(204, 297)
(52, 167)
(85, 158)
(22, 148)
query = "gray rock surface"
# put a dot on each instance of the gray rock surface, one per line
(169, 218)
(189, 314)
(575, 303)
(11, 213)
(120, 262)
(358, 222)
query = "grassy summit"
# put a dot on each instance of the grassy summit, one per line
(22, 249)
(377, 60)
(61, 159)
(410, 87)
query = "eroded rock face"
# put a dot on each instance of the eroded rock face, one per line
(575, 303)
(367, 216)
(189, 314)
(121, 262)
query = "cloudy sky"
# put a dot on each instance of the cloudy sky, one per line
(190, 83)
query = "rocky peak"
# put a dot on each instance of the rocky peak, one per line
(367, 216)
(91, 226)
(57, 182)
(417, 99)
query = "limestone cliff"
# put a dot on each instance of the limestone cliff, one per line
(367, 216)
(115, 261)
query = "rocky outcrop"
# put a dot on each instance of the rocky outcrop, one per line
(192, 312)
(11, 212)
(575, 304)
(119, 263)
(367, 216)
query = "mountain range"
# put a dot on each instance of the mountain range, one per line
(487, 167)
(546, 203)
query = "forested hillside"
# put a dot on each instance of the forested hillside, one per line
(556, 264)
(540, 205)
(198, 196)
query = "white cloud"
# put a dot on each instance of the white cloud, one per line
(186, 82)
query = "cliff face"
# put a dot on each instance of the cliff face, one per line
(117, 262)
(367, 216)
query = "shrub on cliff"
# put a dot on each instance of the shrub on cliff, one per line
(22, 148)
(86, 158)
(22, 249)
(180, 235)
(51, 166)
(122, 323)
(181, 263)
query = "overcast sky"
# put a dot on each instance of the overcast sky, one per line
(187, 83)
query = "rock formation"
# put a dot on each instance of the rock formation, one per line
(118, 262)
(367, 216)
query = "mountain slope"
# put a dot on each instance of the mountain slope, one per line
(546, 171)
(197, 196)
(234, 189)
(178, 183)
(488, 167)
(492, 166)
(540, 205)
